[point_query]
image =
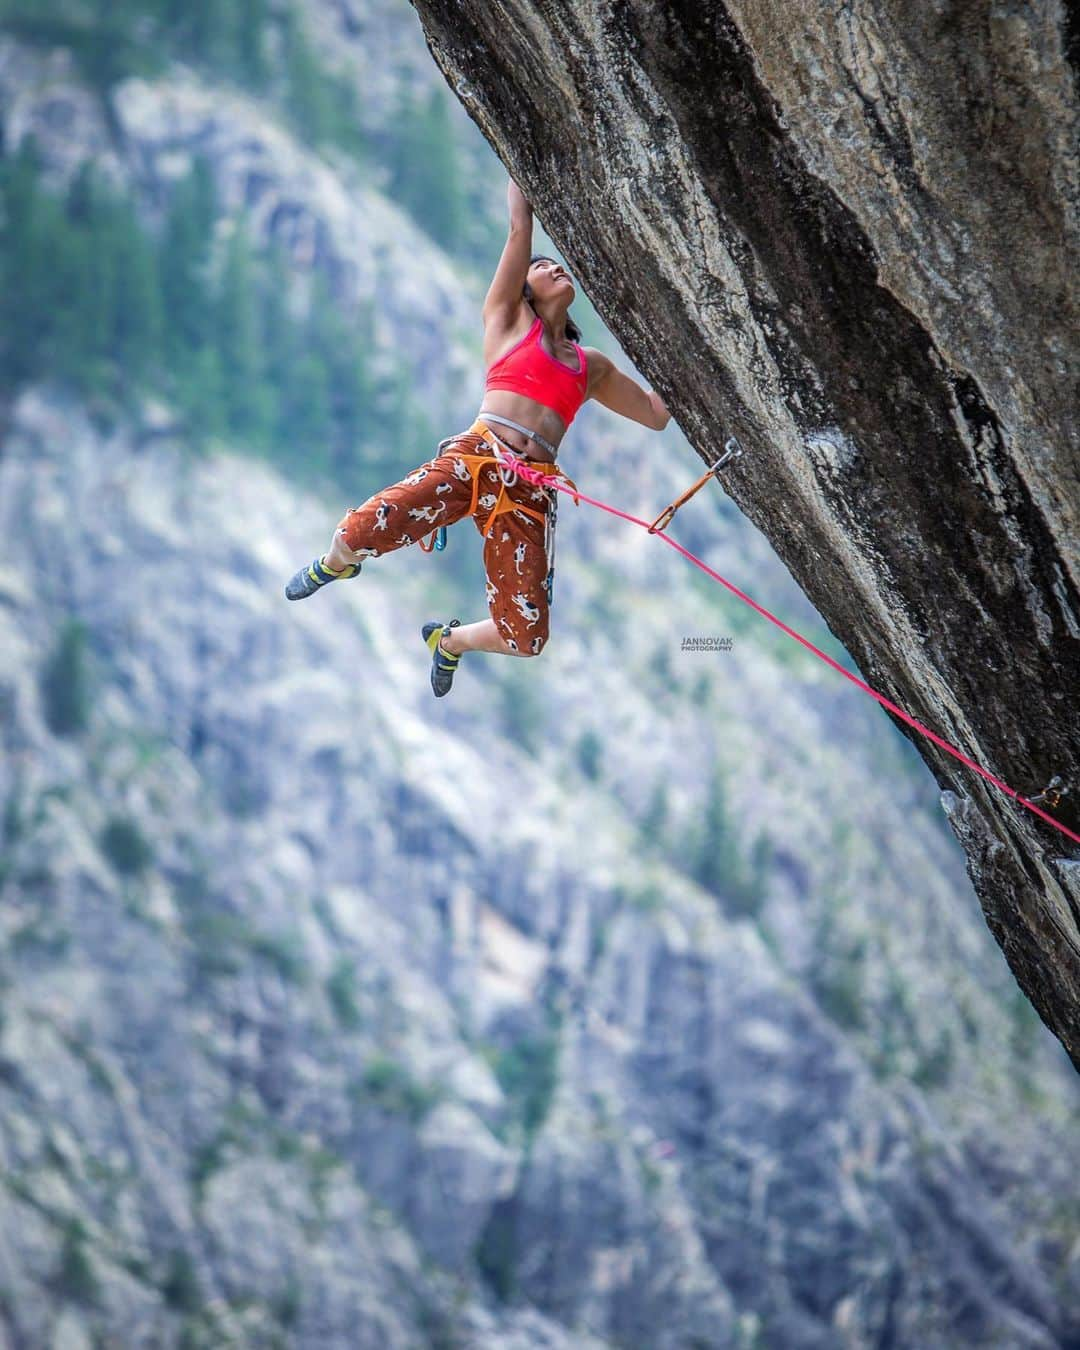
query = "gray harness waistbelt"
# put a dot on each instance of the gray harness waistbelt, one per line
(506, 422)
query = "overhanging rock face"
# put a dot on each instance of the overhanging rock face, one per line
(848, 234)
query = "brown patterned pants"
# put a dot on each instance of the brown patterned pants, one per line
(517, 523)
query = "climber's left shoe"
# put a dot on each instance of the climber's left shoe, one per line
(313, 578)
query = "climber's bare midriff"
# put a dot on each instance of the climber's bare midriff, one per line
(544, 421)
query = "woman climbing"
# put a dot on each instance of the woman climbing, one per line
(537, 379)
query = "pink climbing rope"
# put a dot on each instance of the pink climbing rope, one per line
(535, 476)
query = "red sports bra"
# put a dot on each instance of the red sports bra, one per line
(530, 370)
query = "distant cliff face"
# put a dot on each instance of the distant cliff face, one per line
(553, 1108)
(335, 1016)
(848, 234)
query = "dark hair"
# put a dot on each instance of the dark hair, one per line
(573, 332)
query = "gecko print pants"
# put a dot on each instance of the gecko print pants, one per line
(448, 487)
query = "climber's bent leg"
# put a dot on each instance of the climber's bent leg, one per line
(436, 493)
(516, 562)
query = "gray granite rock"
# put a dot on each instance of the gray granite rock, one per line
(847, 234)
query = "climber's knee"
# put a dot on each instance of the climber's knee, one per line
(355, 535)
(524, 629)
(341, 552)
(525, 645)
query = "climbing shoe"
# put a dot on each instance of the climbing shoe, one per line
(443, 664)
(311, 579)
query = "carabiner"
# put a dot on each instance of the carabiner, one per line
(732, 450)
(437, 538)
(1053, 792)
(509, 476)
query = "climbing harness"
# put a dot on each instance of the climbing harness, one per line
(507, 466)
(732, 451)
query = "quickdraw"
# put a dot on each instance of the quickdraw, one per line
(1053, 792)
(732, 450)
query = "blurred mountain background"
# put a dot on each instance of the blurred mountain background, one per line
(633, 997)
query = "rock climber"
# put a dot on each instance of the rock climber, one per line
(537, 379)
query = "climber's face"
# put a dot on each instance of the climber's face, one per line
(549, 281)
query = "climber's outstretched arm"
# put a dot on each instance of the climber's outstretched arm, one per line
(504, 293)
(623, 395)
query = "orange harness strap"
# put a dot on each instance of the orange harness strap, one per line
(475, 464)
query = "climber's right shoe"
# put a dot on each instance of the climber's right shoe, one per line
(443, 664)
(311, 579)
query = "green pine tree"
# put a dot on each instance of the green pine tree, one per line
(407, 153)
(337, 345)
(656, 815)
(65, 682)
(203, 29)
(309, 95)
(306, 418)
(76, 339)
(251, 24)
(38, 271)
(761, 858)
(281, 349)
(348, 129)
(248, 407)
(443, 212)
(716, 859)
(139, 317)
(201, 395)
(427, 180)
(355, 394)
(184, 264)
